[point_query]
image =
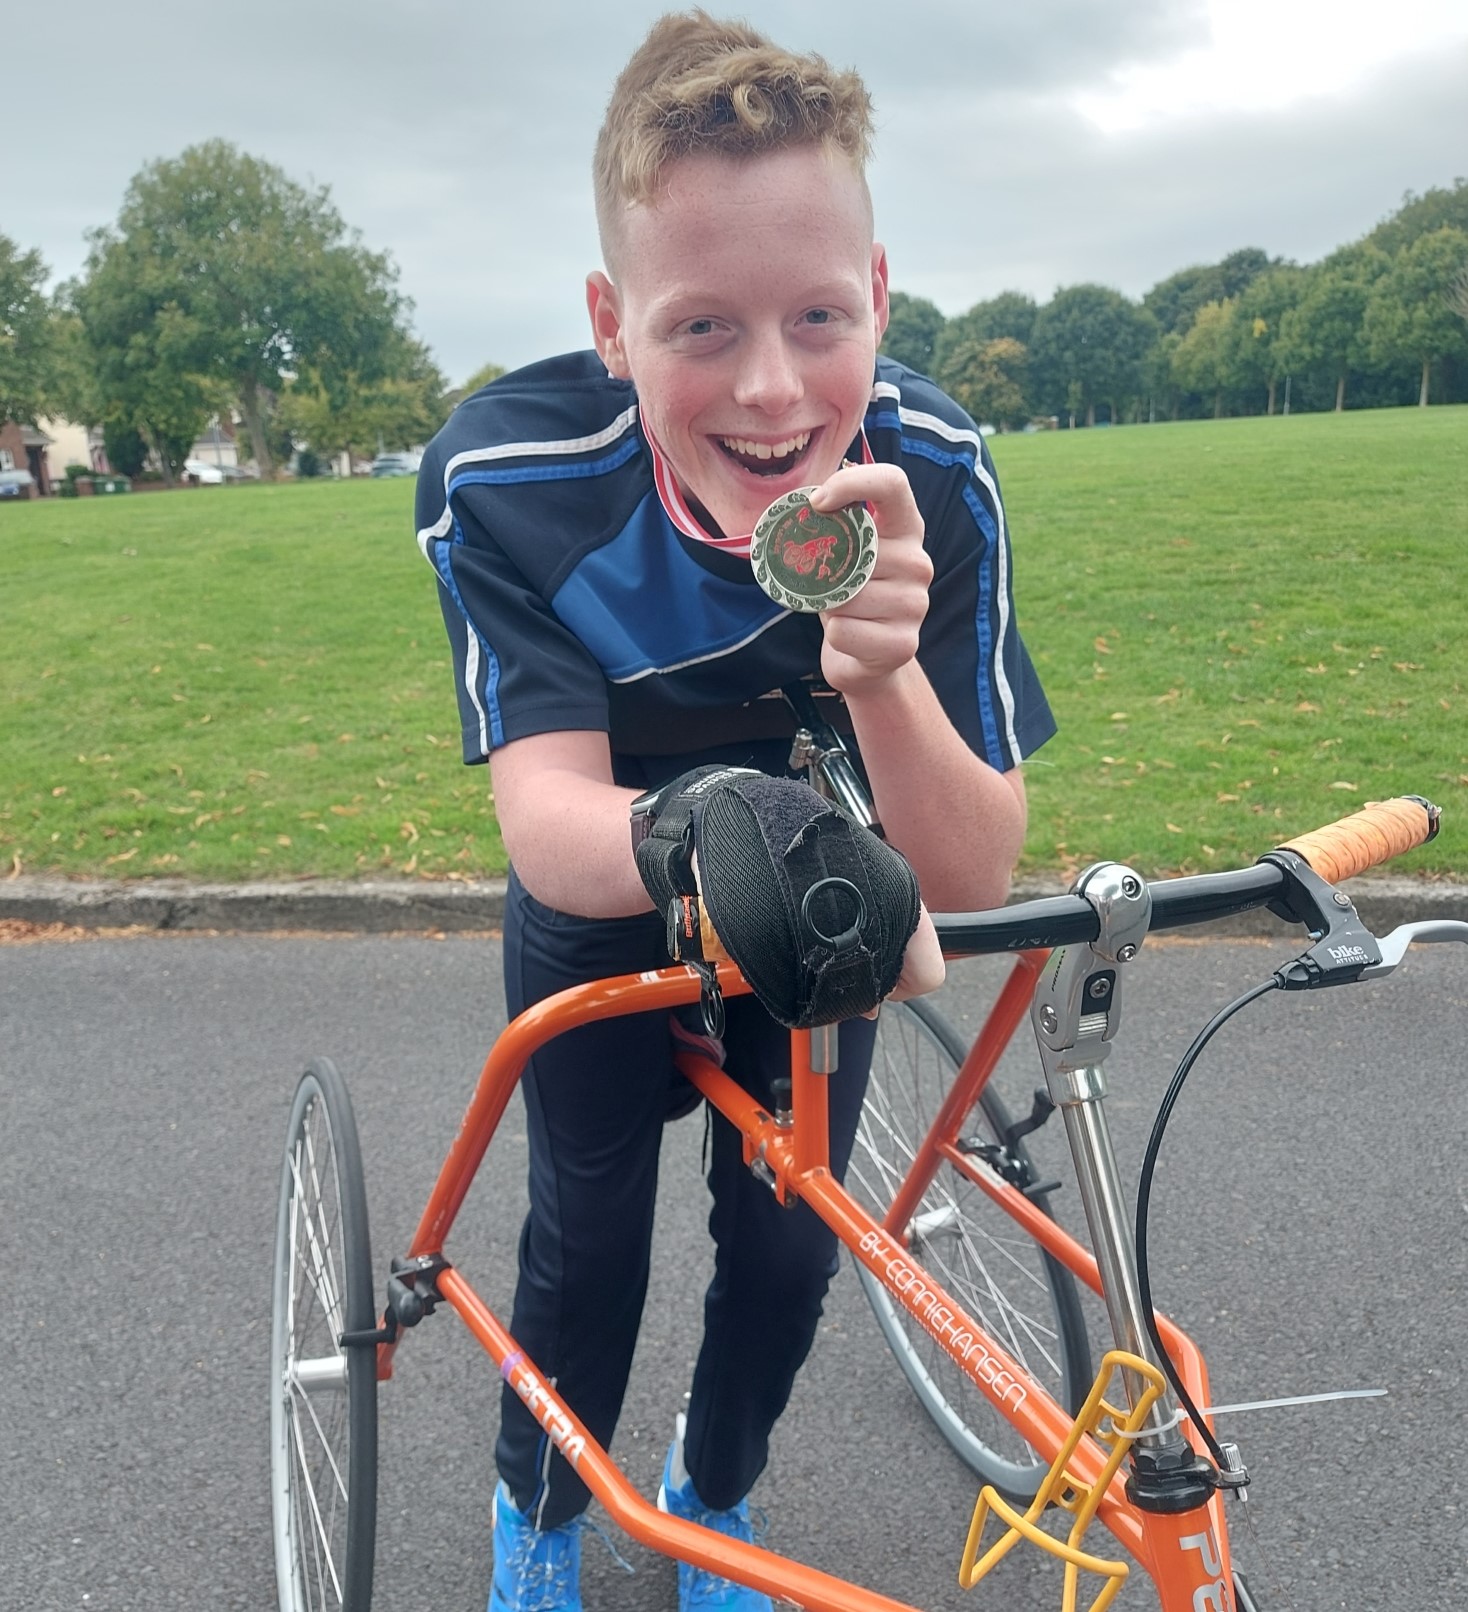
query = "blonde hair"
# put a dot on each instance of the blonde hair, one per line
(697, 85)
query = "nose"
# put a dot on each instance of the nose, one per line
(768, 377)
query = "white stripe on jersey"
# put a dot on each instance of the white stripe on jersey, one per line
(956, 434)
(698, 660)
(516, 450)
(471, 685)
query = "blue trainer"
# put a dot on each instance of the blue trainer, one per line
(534, 1571)
(698, 1589)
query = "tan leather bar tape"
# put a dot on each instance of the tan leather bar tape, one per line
(1378, 832)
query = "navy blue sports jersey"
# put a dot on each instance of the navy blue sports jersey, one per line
(574, 601)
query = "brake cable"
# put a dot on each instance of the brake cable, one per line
(1144, 1198)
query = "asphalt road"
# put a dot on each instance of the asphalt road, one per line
(1310, 1228)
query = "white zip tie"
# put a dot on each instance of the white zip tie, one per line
(1111, 1431)
(1295, 1399)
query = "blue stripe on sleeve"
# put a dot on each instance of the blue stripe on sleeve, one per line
(983, 621)
(984, 615)
(442, 563)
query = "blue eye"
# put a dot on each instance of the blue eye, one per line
(700, 327)
(819, 316)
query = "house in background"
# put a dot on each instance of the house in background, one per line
(48, 447)
(73, 444)
(217, 445)
(23, 447)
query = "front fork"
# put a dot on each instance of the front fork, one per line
(1075, 1013)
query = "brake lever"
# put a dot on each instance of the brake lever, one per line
(1393, 947)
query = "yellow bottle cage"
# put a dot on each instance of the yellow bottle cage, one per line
(1060, 1488)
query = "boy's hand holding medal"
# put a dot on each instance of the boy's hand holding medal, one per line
(816, 549)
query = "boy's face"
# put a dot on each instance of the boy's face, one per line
(748, 306)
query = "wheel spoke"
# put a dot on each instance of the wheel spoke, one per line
(966, 1241)
(319, 1271)
(320, 1534)
(336, 1472)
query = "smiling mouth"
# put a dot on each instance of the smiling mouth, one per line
(766, 458)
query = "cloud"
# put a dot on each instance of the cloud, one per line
(1053, 201)
(458, 137)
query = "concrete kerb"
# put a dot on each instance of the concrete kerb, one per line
(418, 906)
(353, 906)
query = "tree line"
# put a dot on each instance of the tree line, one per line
(224, 288)
(1380, 322)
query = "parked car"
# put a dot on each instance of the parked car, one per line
(16, 483)
(204, 473)
(396, 464)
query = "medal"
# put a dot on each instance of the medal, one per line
(809, 560)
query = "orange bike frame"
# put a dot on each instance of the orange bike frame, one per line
(1186, 1556)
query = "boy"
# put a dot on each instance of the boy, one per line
(588, 519)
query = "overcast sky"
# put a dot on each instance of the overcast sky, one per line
(1023, 145)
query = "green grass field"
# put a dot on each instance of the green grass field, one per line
(1246, 628)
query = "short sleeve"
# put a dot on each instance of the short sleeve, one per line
(518, 671)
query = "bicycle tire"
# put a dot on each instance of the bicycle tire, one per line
(1019, 1293)
(323, 1407)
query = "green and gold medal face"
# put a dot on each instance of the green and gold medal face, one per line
(807, 560)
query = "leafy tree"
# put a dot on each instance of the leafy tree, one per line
(1090, 344)
(987, 379)
(913, 327)
(1322, 331)
(1410, 315)
(1257, 353)
(1158, 381)
(25, 333)
(256, 277)
(1203, 360)
(1420, 215)
(127, 453)
(1175, 301)
(1458, 296)
(1240, 269)
(139, 376)
(72, 390)
(397, 410)
(1008, 317)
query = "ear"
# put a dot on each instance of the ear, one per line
(605, 307)
(881, 306)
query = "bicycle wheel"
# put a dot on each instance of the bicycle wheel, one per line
(1020, 1294)
(323, 1407)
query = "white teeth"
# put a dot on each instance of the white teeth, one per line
(766, 450)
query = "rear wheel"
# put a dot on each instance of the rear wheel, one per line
(1020, 1294)
(323, 1408)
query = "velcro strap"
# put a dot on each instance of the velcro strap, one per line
(814, 909)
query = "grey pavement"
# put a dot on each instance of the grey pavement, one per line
(1307, 1228)
(422, 906)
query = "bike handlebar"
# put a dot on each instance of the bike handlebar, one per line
(1378, 832)
(1338, 851)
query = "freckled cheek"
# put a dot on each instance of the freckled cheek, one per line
(685, 410)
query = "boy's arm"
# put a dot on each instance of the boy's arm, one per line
(568, 831)
(566, 825)
(959, 822)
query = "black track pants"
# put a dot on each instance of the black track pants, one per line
(595, 1100)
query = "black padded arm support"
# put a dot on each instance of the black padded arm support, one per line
(814, 908)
